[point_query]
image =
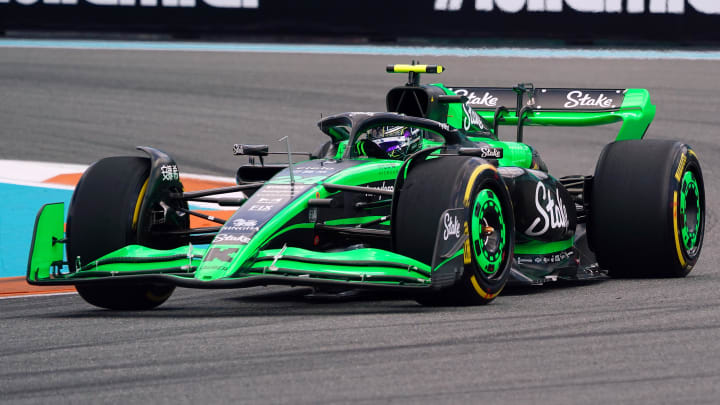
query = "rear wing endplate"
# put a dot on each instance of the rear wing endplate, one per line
(528, 105)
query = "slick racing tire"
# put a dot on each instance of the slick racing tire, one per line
(435, 185)
(102, 218)
(647, 212)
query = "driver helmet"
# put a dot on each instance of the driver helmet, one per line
(397, 141)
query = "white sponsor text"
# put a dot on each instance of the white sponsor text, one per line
(553, 214)
(452, 226)
(577, 98)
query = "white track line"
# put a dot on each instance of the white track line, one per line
(37, 295)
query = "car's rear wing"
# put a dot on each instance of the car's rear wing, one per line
(562, 107)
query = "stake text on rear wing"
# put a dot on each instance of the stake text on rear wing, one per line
(563, 106)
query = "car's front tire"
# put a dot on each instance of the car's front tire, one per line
(103, 217)
(435, 185)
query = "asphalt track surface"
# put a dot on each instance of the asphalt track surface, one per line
(618, 341)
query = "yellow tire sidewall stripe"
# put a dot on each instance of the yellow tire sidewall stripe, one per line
(466, 201)
(480, 290)
(471, 182)
(676, 230)
(136, 214)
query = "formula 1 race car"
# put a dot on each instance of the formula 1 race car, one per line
(423, 199)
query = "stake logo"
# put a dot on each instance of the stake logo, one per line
(452, 226)
(470, 118)
(494, 153)
(226, 237)
(552, 211)
(587, 6)
(485, 100)
(577, 98)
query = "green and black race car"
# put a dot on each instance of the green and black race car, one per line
(423, 199)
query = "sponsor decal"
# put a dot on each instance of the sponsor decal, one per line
(245, 222)
(587, 6)
(577, 98)
(269, 200)
(242, 225)
(147, 3)
(215, 266)
(276, 190)
(471, 118)
(494, 153)
(523, 260)
(260, 208)
(266, 201)
(227, 237)
(238, 149)
(169, 172)
(451, 225)
(256, 212)
(312, 170)
(450, 238)
(274, 194)
(544, 259)
(384, 187)
(551, 210)
(487, 99)
(552, 99)
(299, 179)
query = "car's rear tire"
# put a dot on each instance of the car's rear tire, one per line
(102, 218)
(647, 212)
(435, 185)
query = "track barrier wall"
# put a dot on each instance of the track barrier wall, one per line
(689, 21)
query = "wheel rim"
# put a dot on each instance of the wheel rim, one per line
(488, 232)
(690, 213)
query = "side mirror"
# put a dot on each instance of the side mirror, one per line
(452, 99)
(250, 150)
(483, 152)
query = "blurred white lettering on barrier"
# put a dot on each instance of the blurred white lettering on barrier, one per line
(451, 5)
(147, 3)
(667, 6)
(232, 3)
(583, 6)
(635, 6)
(511, 6)
(587, 6)
(706, 6)
(545, 5)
